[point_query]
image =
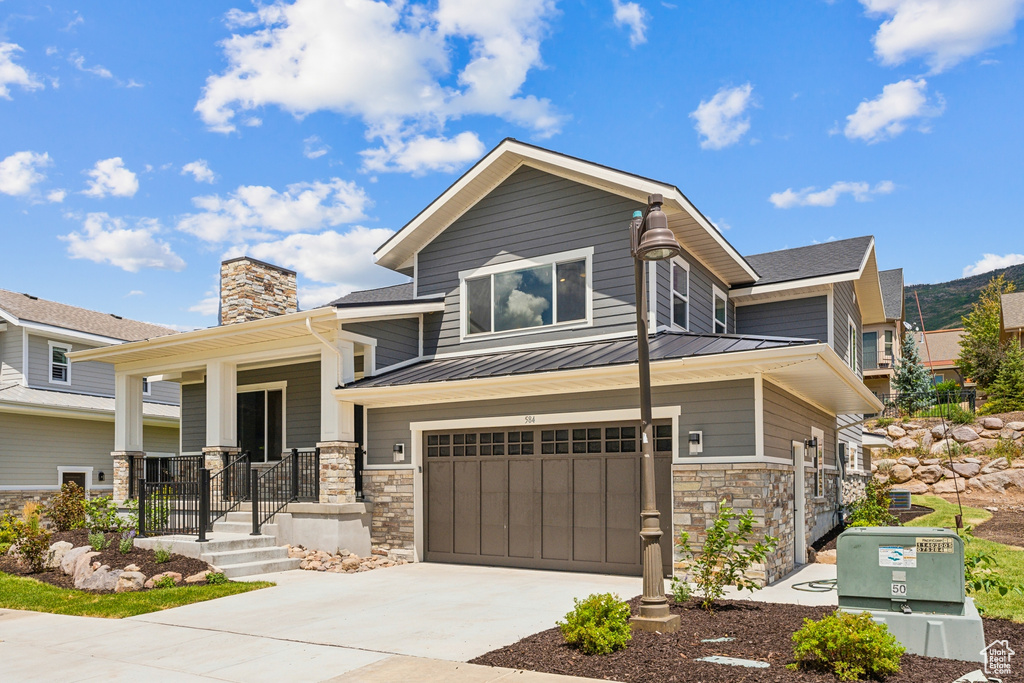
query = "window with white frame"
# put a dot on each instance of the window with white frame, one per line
(888, 344)
(147, 388)
(60, 367)
(851, 350)
(720, 311)
(680, 293)
(527, 294)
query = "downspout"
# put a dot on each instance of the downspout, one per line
(323, 340)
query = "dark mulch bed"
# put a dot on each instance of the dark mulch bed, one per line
(1006, 526)
(145, 560)
(762, 632)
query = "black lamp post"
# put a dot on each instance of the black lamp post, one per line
(650, 240)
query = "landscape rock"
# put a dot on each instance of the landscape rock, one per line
(938, 432)
(896, 432)
(929, 474)
(130, 581)
(974, 460)
(56, 553)
(883, 464)
(967, 469)
(911, 425)
(1007, 433)
(132, 568)
(998, 482)
(991, 423)
(990, 433)
(997, 465)
(926, 440)
(900, 474)
(939, 448)
(980, 446)
(1019, 462)
(156, 577)
(905, 444)
(931, 461)
(1015, 426)
(67, 563)
(909, 461)
(949, 486)
(83, 566)
(350, 563)
(198, 577)
(101, 578)
(915, 486)
(964, 434)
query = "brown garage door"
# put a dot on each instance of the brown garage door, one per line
(559, 497)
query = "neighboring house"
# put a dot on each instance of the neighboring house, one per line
(487, 411)
(1012, 320)
(57, 419)
(940, 352)
(882, 347)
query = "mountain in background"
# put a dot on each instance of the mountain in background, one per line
(943, 304)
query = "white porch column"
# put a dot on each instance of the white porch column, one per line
(221, 405)
(127, 412)
(337, 418)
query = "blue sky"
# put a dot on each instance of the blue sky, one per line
(140, 143)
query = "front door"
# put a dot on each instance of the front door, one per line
(261, 424)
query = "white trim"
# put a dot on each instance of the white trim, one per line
(24, 357)
(851, 343)
(586, 254)
(147, 387)
(619, 415)
(652, 297)
(55, 331)
(717, 293)
(415, 274)
(759, 415)
(282, 386)
(799, 502)
(536, 345)
(93, 414)
(262, 386)
(73, 469)
(9, 317)
(66, 349)
(682, 263)
(399, 364)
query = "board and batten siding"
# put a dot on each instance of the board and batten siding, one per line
(533, 214)
(302, 405)
(33, 446)
(724, 411)
(702, 302)
(788, 419)
(397, 340)
(805, 318)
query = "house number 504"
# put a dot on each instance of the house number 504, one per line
(531, 419)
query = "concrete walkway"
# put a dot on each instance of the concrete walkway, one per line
(417, 622)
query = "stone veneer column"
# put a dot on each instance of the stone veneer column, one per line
(214, 458)
(122, 473)
(392, 526)
(337, 471)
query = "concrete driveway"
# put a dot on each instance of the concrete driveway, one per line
(311, 626)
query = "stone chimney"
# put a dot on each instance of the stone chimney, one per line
(251, 289)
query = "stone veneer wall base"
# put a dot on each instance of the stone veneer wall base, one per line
(392, 528)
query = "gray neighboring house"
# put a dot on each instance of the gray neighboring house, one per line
(57, 420)
(487, 412)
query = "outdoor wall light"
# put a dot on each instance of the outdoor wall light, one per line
(101, 476)
(399, 452)
(811, 442)
(696, 442)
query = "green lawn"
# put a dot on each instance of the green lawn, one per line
(1011, 562)
(28, 594)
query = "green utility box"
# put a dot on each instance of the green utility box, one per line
(912, 580)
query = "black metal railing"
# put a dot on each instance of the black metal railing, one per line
(295, 478)
(306, 475)
(927, 403)
(228, 488)
(169, 507)
(178, 468)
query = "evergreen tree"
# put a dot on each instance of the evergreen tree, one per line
(912, 382)
(1006, 393)
(981, 352)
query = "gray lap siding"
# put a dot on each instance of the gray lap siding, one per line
(397, 340)
(805, 318)
(701, 300)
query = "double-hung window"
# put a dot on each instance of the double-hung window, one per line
(60, 368)
(888, 345)
(851, 351)
(147, 388)
(721, 311)
(528, 294)
(680, 293)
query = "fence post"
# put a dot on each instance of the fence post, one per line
(973, 396)
(254, 496)
(316, 475)
(295, 474)
(131, 476)
(204, 503)
(142, 507)
(248, 476)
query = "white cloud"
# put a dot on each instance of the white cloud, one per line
(79, 63)
(888, 115)
(199, 170)
(314, 148)
(20, 172)
(421, 154)
(56, 196)
(809, 196)
(209, 305)
(632, 16)
(443, 62)
(340, 262)
(943, 32)
(720, 121)
(255, 211)
(135, 292)
(107, 239)
(14, 74)
(990, 262)
(110, 177)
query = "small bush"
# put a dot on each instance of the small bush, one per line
(127, 542)
(1007, 448)
(598, 625)
(67, 509)
(957, 415)
(98, 541)
(164, 582)
(980, 569)
(101, 514)
(884, 422)
(157, 513)
(33, 540)
(872, 509)
(850, 646)
(161, 555)
(10, 531)
(216, 578)
(680, 590)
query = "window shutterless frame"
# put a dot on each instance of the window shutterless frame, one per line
(851, 342)
(679, 278)
(59, 366)
(719, 314)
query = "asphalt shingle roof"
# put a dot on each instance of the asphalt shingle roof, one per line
(22, 395)
(1013, 310)
(664, 345)
(395, 294)
(892, 292)
(33, 309)
(816, 260)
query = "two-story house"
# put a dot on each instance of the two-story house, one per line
(882, 347)
(57, 420)
(487, 411)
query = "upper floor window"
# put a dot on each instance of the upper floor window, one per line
(888, 343)
(147, 388)
(60, 369)
(851, 350)
(527, 294)
(721, 311)
(680, 293)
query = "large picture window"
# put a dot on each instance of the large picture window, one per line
(545, 292)
(681, 294)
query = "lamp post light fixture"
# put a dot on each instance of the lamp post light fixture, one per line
(650, 240)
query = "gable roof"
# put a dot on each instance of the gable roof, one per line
(1013, 310)
(25, 308)
(690, 226)
(892, 292)
(943, 347)
(816, 260)
(395, 294)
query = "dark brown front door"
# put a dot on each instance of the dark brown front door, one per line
(550, 497)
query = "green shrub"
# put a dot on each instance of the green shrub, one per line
(850, 646)
(33, 541)
(101, 514)
(157, 513)
(98, 541)
(680, 590)
(884, 422)
(10, 531)
(164, 582)
(722, 562)
(216, 578)
(67, 509)
(958, 415)
(947, 391)
(598, 625)
(127, 542)
(980, 569)
(1007, 448)
(872, 508)
(161, 555)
